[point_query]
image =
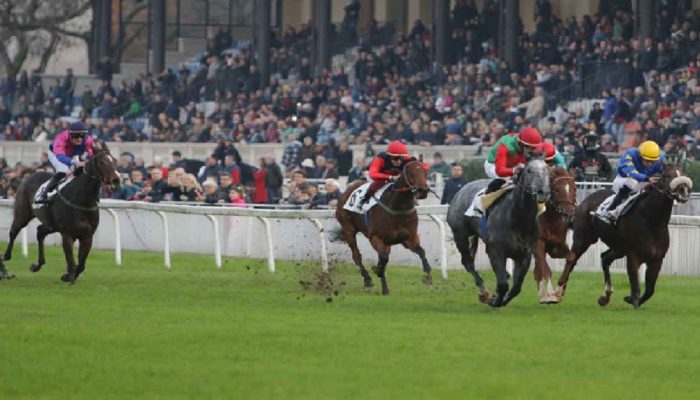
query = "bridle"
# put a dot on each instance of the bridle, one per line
(95, 176)
(557, 204)
(409, 185)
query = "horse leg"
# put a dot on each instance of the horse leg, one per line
(468, 253)
(413, 244)
(520, 269)
(652, 274)
(543, 274)
(83, 251)
(380, 269)
(633, 275)
(351, 239)
(579, 247)
(70, 275)
(15, 229)
(41, 233)
(498, 264)
(606, 259)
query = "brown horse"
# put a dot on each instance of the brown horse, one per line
(641, 234)
(73, 213)
(392, 221)
(554, 224)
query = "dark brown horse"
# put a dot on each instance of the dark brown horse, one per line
(641, 234)
(73, 213)
(392, 221)
(554, 224)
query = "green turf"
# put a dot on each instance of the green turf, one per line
(140, 331)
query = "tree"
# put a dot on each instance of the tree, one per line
(34, 27)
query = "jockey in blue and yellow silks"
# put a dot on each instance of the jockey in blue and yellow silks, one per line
(636, 167)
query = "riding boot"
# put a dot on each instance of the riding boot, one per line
(368, 195)
(620, 197)
(55, 179)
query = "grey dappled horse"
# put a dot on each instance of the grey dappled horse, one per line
(511, 230)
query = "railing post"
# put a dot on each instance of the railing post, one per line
(25, 242)
(217, 240)
(166, 239)
(324, 251)
(117, 237)
(443, 244)
(270, 249)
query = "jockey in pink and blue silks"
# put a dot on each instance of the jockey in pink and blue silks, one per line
(66, 149)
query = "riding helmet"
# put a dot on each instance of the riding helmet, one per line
(549, 151)
(530, 137)
(649, 150)
(77, 127)
(396, 148)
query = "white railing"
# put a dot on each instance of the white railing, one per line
(233, 232)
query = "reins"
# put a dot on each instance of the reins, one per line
(89, 175)
(556, 204)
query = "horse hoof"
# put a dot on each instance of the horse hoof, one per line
(369, 284)
(385, 292)
(484, 297)
(68, 279)
(551, 299)
(428, 280)
(632, 301)
(603, 301)
(6, 276)
(35, 267)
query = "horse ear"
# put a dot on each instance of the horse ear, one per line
(420, 157)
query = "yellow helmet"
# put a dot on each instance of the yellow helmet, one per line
(650, 151)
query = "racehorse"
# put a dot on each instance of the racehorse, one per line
(510, 231)
(641, 234)
(554, 224)
(392, 221)
(73, 213)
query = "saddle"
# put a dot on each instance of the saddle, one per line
(353, 203)
(483, 201)
(52, 195)
(620, 210)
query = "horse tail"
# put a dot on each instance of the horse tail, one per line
(335, 234)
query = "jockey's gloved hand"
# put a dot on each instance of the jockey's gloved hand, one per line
(655, 179)
(518, 169)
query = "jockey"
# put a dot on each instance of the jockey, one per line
(65, 152)
(636, 166)
(509, 155)
(386, 166)
(510, 152)
(552, 157)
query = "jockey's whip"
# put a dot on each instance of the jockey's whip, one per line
(433, 192)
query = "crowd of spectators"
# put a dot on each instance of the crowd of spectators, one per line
(649, 88)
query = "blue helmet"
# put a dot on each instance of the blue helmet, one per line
(77, 127)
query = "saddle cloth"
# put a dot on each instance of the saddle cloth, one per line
(353, 203)
(51, 196)
(619, 210)
(482, 201)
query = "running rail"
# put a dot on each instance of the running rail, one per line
(435, 214)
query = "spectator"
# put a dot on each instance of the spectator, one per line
(211, 193)
(260, 195)
(236, 197)
(273, 179)
(439, 166)
(356, 172)
(454, 184)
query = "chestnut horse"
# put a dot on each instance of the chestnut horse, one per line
(554, 224)
(641, 234)
(392, 221)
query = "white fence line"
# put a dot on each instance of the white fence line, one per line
(683, 256)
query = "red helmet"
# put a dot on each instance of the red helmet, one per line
(549, 151)
(530, 137)
(397, 148)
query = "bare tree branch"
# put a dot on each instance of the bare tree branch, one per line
(48, 52)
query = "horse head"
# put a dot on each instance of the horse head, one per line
(563, 192)
(102, 167)
(675, 184)
(534, 179)
(415, 178)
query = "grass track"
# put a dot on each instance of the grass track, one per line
(140, 331)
